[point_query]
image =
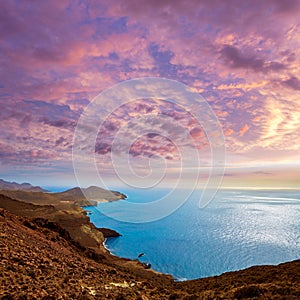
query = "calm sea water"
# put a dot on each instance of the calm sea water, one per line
(236, 230)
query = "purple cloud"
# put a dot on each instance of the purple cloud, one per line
(236, 59)
(293, 82)
(58, 55)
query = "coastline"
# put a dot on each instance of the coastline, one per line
(183, 279)
(44, 249)
(103, 244)
(120, 249)
(134, 261)
(77, 220)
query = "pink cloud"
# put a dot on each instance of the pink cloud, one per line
(244, 129)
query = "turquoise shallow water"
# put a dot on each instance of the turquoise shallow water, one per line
(236, 230)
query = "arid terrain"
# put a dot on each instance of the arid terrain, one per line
(52, 251)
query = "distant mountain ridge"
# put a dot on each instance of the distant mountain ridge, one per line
(80, 196)
(14, 186)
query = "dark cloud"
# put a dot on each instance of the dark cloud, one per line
(39, 111)
(293, 82)
(102, 148)
(152, 135)
(110, 125)
(113, 55)
(235, 58)
(60, 141)
(58, 122)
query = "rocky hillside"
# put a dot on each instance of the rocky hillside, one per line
(39, 261)
(70, 217)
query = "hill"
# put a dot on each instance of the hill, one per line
(81, 197)
(13, 186)
(70, 217)
(39, 261)
(92, 194)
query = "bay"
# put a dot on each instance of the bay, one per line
(238, 229)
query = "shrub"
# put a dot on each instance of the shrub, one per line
(248, 292)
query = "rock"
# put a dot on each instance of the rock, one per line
(109, 233)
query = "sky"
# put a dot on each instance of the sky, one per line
(242, 57)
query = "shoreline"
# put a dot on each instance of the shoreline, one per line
(108, 251)
(73, 216)
(30, 249)
(184, 278)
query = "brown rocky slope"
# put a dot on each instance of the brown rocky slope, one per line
(42, 263)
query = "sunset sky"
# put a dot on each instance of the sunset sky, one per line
(241, 56)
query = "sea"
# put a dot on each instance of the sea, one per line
(236, 230)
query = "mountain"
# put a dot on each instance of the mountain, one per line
(14, 186)
(91, 196)
(92, 193)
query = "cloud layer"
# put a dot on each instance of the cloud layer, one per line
(56, 56)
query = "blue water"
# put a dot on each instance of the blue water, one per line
(236, 230)
(56, 189)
